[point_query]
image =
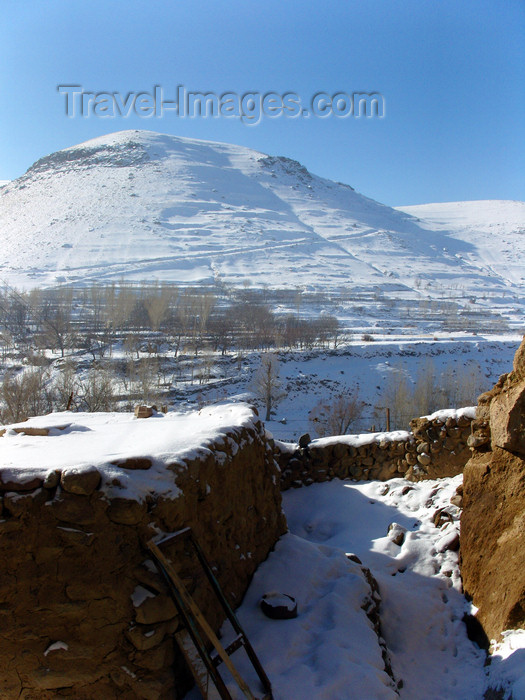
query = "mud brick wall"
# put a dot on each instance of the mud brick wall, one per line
(83, 613)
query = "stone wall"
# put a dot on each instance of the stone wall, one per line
(493, 518)
(436, 447)
(83, 613)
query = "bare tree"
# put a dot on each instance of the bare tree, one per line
(398, 397)
(222, 329)
(427, 398)
(16, 309)
(460, 386)
(329, 330)
(202, 307)
(453, 388)
(97, 391)
(132, 344)
(206, 366)
(158, 305)
(24, 395)
(65, 387)
(56, 315)
(6, 343)
(266, 383)
(120, 303)
(336, 416)
(148, 380)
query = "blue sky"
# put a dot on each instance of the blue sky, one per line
(452, 75)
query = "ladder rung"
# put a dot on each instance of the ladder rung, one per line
(173, 535)
(237, 643)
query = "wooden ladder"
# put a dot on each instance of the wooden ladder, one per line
(191, 639)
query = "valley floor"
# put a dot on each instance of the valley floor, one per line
(328, 651)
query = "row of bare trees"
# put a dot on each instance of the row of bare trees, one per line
(429, 391)
(33, 392)
(93, 319)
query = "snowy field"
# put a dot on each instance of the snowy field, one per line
(479, 224)
(368, 369)
(329, 652)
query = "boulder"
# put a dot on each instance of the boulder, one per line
(396, 533)
(52, 479)
(507, 419)
(278, 606)
(159, 608)
(424, 459)
(305, 440)
(19, 503)
(17, 481)
(133, 463)
(126, 511)
(74, 509)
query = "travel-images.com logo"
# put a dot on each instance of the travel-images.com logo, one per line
(249, 107)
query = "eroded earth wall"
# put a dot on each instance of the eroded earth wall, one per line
(83, 613)
(493, 518)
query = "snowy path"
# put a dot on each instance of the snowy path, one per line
(421, 604)
(330, 651)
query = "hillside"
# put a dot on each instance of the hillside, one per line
(481, 224)
(138, 205)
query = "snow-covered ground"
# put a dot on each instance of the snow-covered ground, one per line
(329, 652)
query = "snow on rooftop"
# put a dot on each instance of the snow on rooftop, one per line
(87, 440)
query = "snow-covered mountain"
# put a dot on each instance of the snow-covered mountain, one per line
(143, 206)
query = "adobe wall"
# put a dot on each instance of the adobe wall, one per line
(436, 447)
(83, 613)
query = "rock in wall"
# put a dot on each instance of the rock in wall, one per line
(83, 612)
(493, 518)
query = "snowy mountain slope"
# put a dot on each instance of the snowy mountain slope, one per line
(496, 229)
(140, 205)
